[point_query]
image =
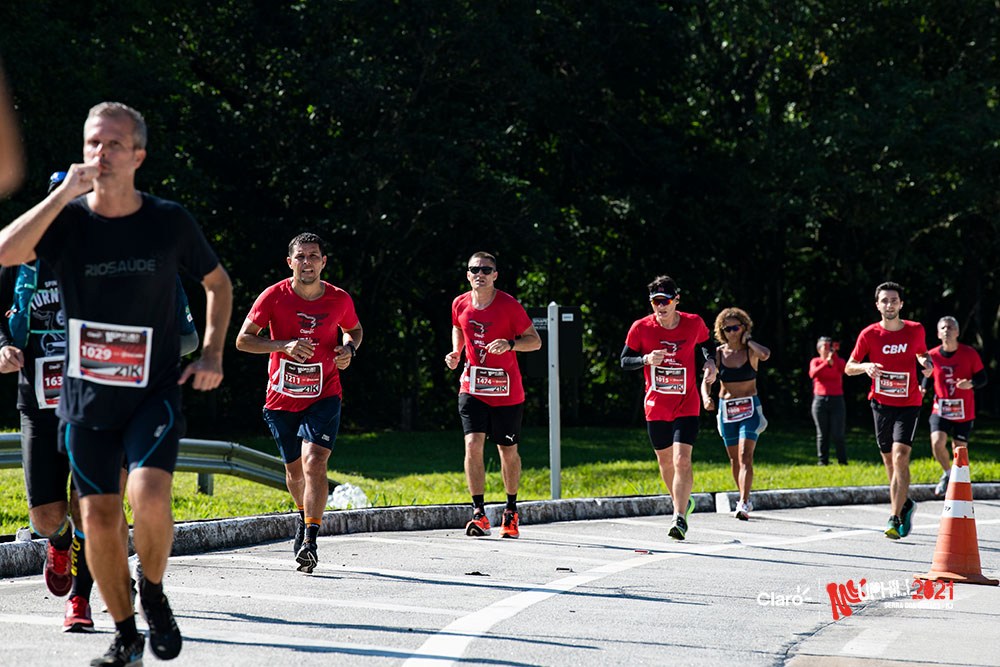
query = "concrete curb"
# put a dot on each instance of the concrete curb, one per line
(18, 559)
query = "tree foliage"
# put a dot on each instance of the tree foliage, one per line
(783, 157)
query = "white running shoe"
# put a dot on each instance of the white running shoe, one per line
(743, 511)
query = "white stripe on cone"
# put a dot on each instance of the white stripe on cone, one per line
(961, 474)
(958, 509)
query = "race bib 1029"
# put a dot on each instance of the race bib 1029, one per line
(116, 355)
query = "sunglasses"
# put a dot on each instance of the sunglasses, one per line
(487, 270)
(735, 327)
(662, 300)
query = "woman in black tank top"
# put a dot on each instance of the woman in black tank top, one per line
(740, 419)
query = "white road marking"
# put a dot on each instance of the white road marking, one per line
(471, 545)
(870, 643)
(452, 641)
(313, 600)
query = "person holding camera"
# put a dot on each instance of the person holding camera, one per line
(828, 412)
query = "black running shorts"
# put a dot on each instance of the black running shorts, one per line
(502, 423)
(958, 430)
(894, 424)
(150, 439)
(663, 434)
(46, 471)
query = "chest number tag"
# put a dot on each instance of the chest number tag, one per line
(116, 355)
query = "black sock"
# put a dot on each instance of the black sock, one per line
(312, 532)
(83, 581)
(63, 539)
(126, 629)
(150, 591)
(479, 503)
(302, 516)
(512, 502)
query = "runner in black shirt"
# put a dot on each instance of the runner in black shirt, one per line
(116, 252)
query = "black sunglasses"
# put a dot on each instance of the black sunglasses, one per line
(735, 327)
(487, 270)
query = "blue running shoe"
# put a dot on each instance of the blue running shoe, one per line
(907, 519)
(892, 528)
(122, 653)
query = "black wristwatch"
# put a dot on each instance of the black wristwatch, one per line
(350, 344)
(510, 341)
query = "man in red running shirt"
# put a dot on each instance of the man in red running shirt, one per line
(490, 325)
(671, 347)
(307, 354)
(958, 371)
(891, 345)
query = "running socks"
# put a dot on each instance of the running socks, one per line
(312, 529)
(126, 629)
(512, 502)
(479, 504)
(60, 538)
(150, 591)
(83, 580)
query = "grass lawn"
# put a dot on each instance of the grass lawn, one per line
(397, 468)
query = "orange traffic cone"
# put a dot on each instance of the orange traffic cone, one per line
(956, 557)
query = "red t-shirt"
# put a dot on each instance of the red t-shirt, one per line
(827, 380)
(951, 402)
(496, 374)
(675, 393)
(896, 351)
(294, 386)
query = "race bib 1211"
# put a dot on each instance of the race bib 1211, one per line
(299, 380)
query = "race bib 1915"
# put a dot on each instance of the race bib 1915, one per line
(669, 379)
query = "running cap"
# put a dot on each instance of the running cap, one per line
(664, 295)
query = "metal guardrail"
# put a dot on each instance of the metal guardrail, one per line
(205, 457)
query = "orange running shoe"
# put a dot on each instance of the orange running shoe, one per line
(508, 527)
(479, 526)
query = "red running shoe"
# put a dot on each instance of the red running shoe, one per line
(508, 527)
(57, 575)
(479, 526)
(78, 618)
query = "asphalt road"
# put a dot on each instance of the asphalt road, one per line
(602, 592)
